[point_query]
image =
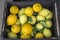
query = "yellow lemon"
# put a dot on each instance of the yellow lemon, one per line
(11, 19)
(15, 29)
(37, 7)
(39, 35)
(25, 36)
(26, 29)
(28, 11)
(14, 9)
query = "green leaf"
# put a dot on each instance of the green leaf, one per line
(29, 19)
(40, 30)
(33, 32)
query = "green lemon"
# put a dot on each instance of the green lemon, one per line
(48, 24)
(23, 19)
(44, 12)
(50, 16)
(47, 33)
(40, 18)
(21, 12)
(18, 22)
(32, 20)
(39, 26)
(12, 35)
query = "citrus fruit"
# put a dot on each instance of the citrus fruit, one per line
(17, 22)
(28, 11)
(47, 33)
(44, 12)
(14, 9)
(25, 36)
(12, 35)
(15, 29)
(11, 19)
(26, 29)
(21, 12)
(39, 35)
(32, 20)
(39, 26)
(39, 17)
(50, 16)
(37, 7)
(48, 24)
(23, 19)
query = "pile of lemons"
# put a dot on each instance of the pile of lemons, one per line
(29, 22)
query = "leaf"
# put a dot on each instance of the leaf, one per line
(33, 32)
(29, 19)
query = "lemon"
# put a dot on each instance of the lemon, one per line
(11, 19)
(28, 11)
(23, 19)
(21, 12)
(44, 12)
(17, 22)
(26, 29)
(12, 35)
(32, 20)
(39, 17)
(14, 9)
(47, 33)
(39, 35)
(39, 26)
(15, 29)
(50, 16)
(48, 24)
(25, 36)
(37, 7)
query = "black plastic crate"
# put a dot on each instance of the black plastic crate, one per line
(33, 0)
(47, 4)
(26, 0)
